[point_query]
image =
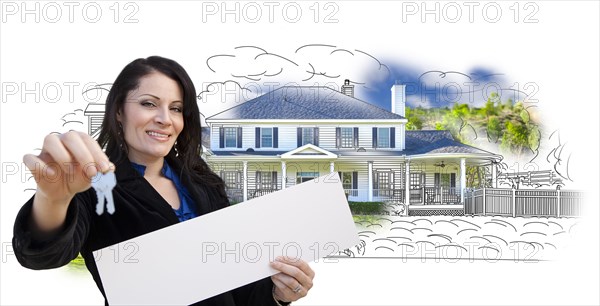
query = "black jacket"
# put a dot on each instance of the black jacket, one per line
(139, 209)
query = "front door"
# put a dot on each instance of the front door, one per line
(417, 182)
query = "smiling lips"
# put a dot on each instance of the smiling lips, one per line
(158, 136)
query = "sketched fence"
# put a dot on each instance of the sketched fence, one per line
(524, 203)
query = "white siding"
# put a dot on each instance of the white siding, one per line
(287, 138)
(327, 137)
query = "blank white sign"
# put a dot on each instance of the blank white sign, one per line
(217, 252)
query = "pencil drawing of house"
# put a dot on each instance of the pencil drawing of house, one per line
(297, 133)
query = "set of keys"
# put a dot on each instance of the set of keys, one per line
(103, 184)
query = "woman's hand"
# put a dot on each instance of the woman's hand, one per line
(63, 168)
(294, 280)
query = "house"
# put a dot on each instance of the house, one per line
(297, 133)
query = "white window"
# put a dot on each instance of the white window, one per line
(383, 138)
(346, 179)
(266, 137)
(308, 136)
(347, 137)
(232, 179)
(266, 180)
(445, 180)
(230, 137)
(302, 177)
(383, 180)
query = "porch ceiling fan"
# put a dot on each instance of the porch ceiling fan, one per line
(440, 164)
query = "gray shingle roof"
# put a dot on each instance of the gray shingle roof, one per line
(305, 102)
(433, 141)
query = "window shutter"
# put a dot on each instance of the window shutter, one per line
(340, 175)
(453, 180)
(375, 180)
(299, 137)
(239, 137)
(221, 137)
(356, 137)
(257, 137)
(374, 137)
(257, 178)
(354, 179)
(392, 137)
(316, 142)
(275, 137)
(338, 137)
(436, 180)
(274, 180)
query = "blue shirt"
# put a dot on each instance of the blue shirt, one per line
(185, 211)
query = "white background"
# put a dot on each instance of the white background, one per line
(559, 53)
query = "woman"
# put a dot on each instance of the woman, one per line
(151, 131)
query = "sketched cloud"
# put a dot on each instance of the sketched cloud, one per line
(246, 72)
(306, 65)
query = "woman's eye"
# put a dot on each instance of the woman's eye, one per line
(177, 109)
(147, 103)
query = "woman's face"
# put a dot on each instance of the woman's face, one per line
(152, 118)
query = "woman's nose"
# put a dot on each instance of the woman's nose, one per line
(163, 117)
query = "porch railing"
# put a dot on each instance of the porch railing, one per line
(421, 196)
(255, 193)
(396, 195)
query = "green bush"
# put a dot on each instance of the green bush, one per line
(366, 208)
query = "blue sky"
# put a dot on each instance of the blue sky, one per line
(438, 88)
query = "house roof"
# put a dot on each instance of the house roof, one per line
(434, 141)
(95, 109)
(305, 102)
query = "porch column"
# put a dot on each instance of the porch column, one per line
(245, 174)
(283, 175)
(331, 167)
(463, 180)
(370, 191)
(407, 183)
(494, 175)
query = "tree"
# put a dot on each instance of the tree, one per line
(414, 120)
(494, 129)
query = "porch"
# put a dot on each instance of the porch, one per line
(430, 182)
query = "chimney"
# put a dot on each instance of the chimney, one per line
(348, 89)
(398, 99)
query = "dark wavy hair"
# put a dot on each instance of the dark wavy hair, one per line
(185, 154)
